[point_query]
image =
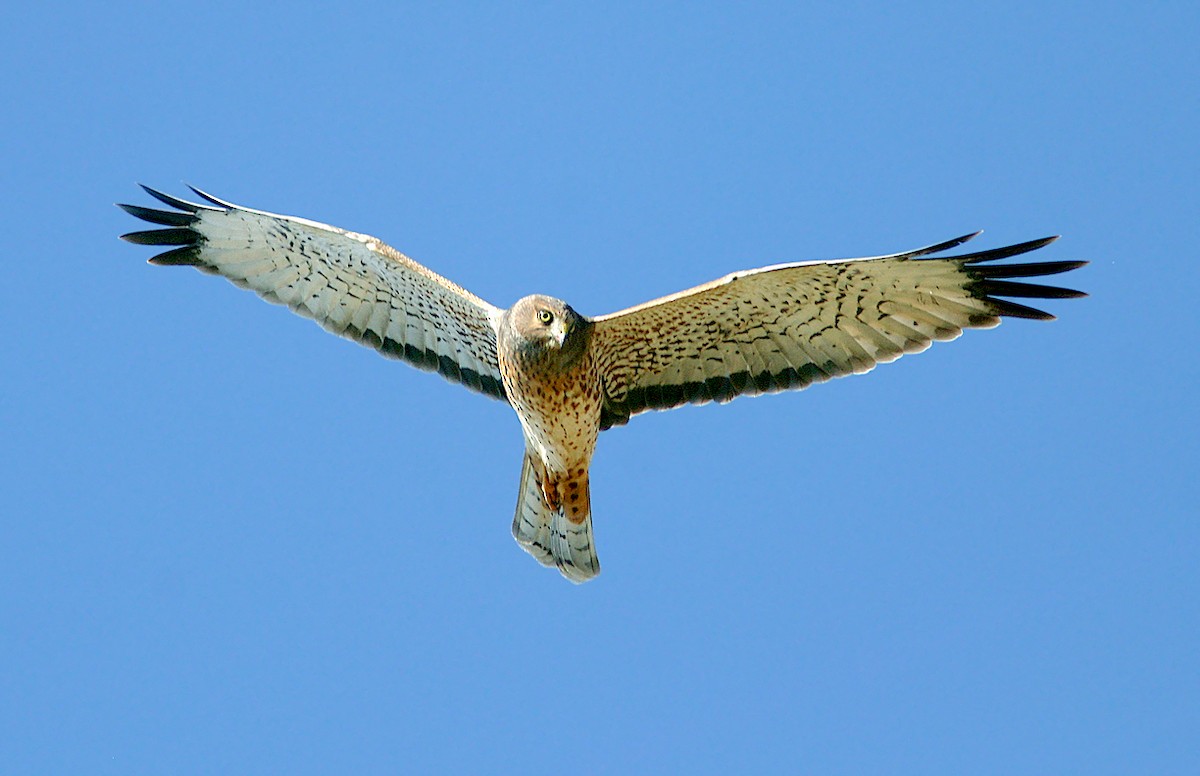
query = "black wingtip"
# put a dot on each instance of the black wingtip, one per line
(175, 202)
(1008, 309)
(989, 282)
(938, 247)
(187, 256)
(1034, 269)
(210, 198)
(966, 237)
(1026, 290)
(992, 281)
(1009, 250)
(957, 241)
(162, 237)
(163, 217)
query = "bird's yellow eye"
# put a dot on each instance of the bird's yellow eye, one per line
(545, 316)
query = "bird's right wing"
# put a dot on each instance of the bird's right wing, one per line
(352, 284)
(790, 325)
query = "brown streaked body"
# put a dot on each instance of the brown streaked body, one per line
(554, 385)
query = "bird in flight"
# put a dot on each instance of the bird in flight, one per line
(568, 376)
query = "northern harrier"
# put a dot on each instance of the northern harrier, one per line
(569, 376)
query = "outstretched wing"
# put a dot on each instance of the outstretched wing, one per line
(791, 325)
(352, 284)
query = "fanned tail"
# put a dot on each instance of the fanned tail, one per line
(549, 535)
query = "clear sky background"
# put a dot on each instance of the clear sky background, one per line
(232, 543)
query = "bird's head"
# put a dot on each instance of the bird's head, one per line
(545, 328)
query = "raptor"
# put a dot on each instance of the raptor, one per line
(568, 376)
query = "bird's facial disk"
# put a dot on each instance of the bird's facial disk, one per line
(542, 326)
(551, 325)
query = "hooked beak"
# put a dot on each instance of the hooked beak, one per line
(561, 330)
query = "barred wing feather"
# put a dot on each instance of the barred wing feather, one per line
(352, 284)
(791, 325)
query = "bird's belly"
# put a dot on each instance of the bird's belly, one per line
(561, 420)
(561, 448)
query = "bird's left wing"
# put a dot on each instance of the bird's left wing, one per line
(791, 325)
(352, 284)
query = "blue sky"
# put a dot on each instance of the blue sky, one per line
(234, 543)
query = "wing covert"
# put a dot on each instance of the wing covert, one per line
(352, 284)
(791, 325)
